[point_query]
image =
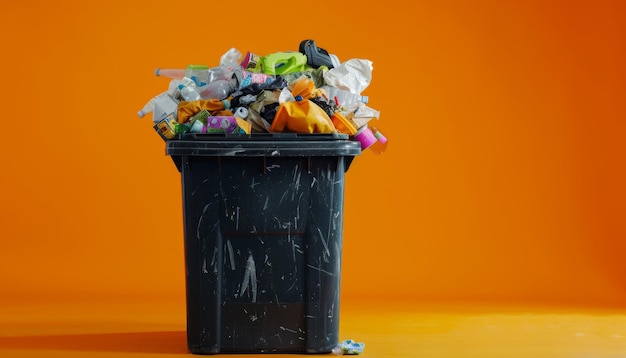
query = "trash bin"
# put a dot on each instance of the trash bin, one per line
(263, 218)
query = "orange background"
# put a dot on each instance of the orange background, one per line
(504, 179)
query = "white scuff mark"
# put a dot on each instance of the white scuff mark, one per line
(337, 267)
(224, 197)
(204, 270)
(296, 181)
(198, 187)
(254, 183)
(267, 198)
(297, 213)
(331, 212)
(253, 317)
(231, 255)
(237, 221)
(319, 269)
(298, 248)
(261, 240)
(309, 316)
(275, 152)
(283, 225)
(213, 258)
(249, 278)
(282, 197)
(200, 221)
(287, 329)
(319, 278)
(323, 242)
(269, 169)
(232, 153)
(337, 217)
(277, 302)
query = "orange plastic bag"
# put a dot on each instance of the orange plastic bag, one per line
(302, 117)
(305, 87)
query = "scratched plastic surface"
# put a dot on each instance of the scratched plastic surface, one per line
(263, 225)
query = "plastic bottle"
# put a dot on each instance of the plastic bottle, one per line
(241, 112)
(198, 73)
(149, 107)
(160, 106)
(174, 73)
(219, 89)
(188, 93)
(230, 58)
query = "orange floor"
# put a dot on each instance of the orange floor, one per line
(157, 329)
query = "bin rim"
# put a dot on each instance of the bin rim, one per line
(263, 144)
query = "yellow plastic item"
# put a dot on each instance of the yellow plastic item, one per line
(244, 125)
(302, 117)
(343, 124)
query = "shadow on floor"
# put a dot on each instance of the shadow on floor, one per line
(174, 342)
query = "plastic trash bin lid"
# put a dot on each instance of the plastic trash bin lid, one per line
(263, 144)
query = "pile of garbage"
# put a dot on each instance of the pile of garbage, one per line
(304, 91)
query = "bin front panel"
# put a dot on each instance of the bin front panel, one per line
(262, 252)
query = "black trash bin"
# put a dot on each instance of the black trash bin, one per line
(263, 218)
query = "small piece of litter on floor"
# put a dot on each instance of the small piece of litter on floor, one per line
(349, 347)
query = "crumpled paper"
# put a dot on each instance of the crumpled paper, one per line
(353, 75)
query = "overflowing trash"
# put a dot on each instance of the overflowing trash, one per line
(304, 91)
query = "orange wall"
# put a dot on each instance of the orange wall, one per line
(504, 179)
